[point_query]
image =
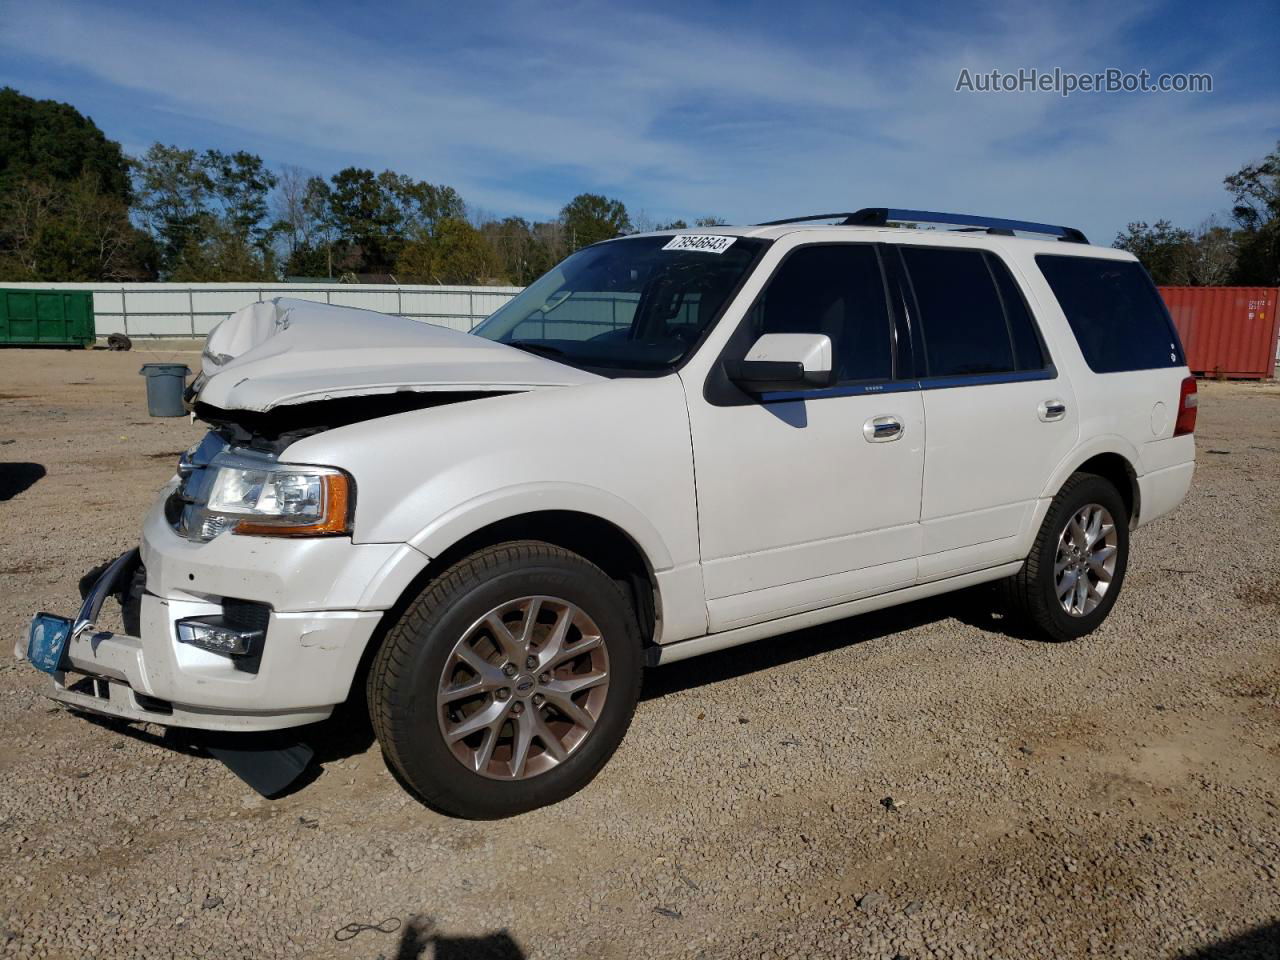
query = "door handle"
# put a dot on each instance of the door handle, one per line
(882, 429)
(1051, 410)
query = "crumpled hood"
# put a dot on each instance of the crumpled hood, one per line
(287, 351)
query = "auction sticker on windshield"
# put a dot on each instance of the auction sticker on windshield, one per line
(702, 242)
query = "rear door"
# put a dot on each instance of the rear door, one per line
(1134, 358)
(998, 416)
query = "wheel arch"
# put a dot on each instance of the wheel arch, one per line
(595, 525)
(601, 541)
(1112, 459)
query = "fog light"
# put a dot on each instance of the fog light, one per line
(215, 635)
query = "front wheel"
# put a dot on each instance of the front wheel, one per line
(1073, 574)
(509, 682)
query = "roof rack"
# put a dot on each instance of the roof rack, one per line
(881, 216)
(816, 216)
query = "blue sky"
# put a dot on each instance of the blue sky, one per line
(749, 111)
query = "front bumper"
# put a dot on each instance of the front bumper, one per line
(320, 624)
(307, 665)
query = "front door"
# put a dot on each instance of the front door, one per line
(812, 498)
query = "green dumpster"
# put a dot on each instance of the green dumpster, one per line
(46, 318)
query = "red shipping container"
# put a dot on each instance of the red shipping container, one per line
(1227, 331)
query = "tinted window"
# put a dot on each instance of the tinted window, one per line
(961, 317)
(1027, 350)
(625, 305)
(836, 290)
(1115, 312)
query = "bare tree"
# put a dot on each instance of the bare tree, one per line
(643, 223)
(1214, 252)
(298, 208)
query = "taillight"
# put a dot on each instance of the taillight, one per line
(1188, 404)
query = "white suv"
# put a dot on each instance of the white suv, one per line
(669, 444)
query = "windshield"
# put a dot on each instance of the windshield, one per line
(624, 305)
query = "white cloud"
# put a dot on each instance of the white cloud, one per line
(681, 118)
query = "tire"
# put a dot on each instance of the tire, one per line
(507, 765)
(1034, 592)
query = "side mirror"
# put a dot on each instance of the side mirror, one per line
(785, 361)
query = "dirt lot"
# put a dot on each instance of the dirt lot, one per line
(917, 783)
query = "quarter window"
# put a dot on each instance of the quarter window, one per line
(837, 290)
(1114, 311)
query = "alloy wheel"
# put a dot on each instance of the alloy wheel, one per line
(1086, 559)
(523, 688)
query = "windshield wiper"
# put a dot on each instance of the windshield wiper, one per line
(534, 346)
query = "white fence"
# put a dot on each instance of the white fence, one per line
(192, 309)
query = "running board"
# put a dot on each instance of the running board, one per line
(683, 649)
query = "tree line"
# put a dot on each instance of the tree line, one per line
(74, 207)
(1244, 252)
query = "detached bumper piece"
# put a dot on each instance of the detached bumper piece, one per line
(115, 579)
(270, 762)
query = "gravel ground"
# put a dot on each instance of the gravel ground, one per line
(915, 783)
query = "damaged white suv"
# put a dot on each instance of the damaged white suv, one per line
(670, 444)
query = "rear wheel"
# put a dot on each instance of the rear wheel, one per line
(1073, 574)
(509, 682)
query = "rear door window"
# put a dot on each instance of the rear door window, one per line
(1114, 311)
(1028, 350)
(838, 290)
(972, 317)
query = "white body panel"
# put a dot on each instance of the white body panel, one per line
(785, 529)
(992, 432)
(752, 518)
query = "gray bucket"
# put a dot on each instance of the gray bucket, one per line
(165, 383)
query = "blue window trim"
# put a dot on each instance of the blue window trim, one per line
(982, 379)
(910, 386)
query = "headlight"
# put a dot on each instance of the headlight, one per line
(280, 500)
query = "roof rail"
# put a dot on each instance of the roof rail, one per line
(816, 216)
(880, 216)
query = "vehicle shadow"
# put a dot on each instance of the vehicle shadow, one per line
(419, 935)
(349, 733)
(977, 607)
(1260, 943)
(16, 478)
